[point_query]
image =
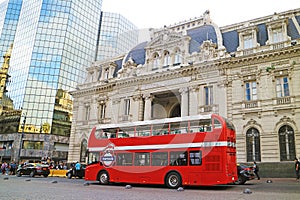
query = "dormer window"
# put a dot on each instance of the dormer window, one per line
(277, 35)
(167, 59)
(177, 59)
(106, 73)
(277, 32)
(156, 62)
(248, 41)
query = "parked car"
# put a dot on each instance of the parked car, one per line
(33, 169)
(72, 172)
(245, 173)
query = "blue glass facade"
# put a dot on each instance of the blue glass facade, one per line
(117, 36)
(9, 17)
(55, 40)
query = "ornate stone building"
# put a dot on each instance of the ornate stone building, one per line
(248, 72)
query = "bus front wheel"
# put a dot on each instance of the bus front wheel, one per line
(173, 180)
(103, 178)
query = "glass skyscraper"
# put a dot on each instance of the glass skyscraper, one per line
(54, 41)
(9, 18)
(117, 35)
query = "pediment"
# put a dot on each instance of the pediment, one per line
(164, 38)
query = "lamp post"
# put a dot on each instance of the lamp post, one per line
(21, 137)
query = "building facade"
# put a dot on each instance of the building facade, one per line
(9, 18)
(247, 72)
(53, 43)
(117, 36)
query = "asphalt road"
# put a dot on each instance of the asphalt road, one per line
(38, 188)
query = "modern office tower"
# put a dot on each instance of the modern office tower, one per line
(53, 42)
(9, 18)
(117, 35)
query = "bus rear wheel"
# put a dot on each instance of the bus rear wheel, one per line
(103, 178)
(173, 180)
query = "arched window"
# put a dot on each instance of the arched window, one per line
(286, 143)
(156, 62)
(166, 59)
(83, 150)
(178, 58)
(253, 145)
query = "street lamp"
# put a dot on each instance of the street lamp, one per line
(21, 137)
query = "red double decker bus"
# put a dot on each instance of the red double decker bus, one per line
(181, 151)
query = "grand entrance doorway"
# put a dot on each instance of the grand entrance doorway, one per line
(166, 105)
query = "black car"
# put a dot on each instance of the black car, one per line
(72, 172)
(33, 169)
(245, 173)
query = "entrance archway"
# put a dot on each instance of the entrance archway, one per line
(176, 111)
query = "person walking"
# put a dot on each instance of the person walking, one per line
(77, 168)
(297, 168)
(255, 170)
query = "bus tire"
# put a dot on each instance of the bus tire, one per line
(173, 180)
(240, 181)
(103, 178)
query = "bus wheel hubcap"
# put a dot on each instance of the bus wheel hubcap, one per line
(173, 180)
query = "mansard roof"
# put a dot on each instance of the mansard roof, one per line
(201, 34)
(227, 36)
(231, 40)
(292, 31)
(119, 66)
(138, 53)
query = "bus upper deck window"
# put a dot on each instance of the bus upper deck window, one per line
(217, 123)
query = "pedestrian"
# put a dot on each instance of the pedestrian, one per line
(3, 167)
(297, 168)
(77, 168)
(256, 170)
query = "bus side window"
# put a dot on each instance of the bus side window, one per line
(217, 123)
(142, 159)
(183, 130)
(178, 158)
(195, 157)
(208, 128)
(124, 159)
(104, 135)
(176, 131)
(159, 158)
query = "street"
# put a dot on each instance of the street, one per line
(37, 188)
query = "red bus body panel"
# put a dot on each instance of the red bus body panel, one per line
(218, 157)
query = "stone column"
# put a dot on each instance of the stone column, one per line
(193, 103)
(148, 106)
(184, 101)
(138, 108)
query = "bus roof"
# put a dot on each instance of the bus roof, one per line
(154, 122)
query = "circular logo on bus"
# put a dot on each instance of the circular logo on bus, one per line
(108, 156)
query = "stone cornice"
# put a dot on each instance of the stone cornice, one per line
(265, 56)
(189, 70)
(93, 90)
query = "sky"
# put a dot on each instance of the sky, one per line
(157, 13)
